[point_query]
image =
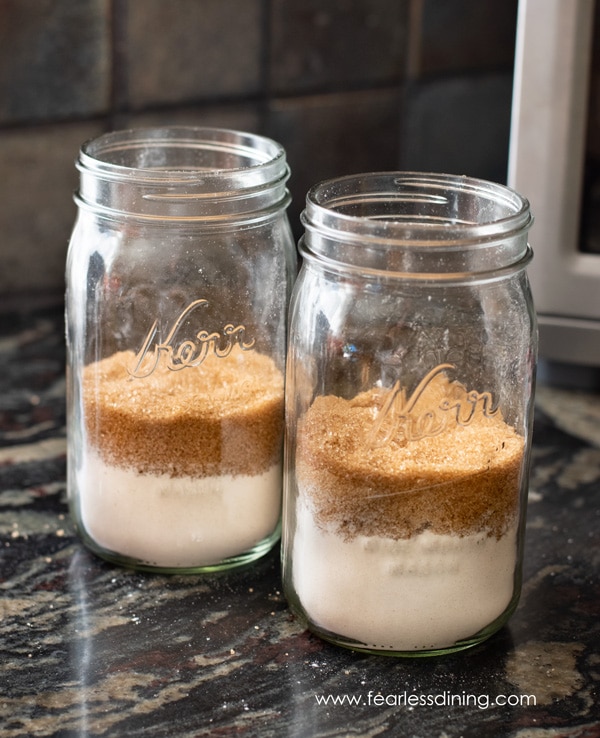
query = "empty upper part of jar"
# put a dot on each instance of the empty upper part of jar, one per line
(183, 172)
(417, 224)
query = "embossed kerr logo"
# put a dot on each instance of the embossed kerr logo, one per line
(435, 404)
(178, 354)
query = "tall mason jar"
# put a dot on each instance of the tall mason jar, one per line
(410, 382)
(178, 277)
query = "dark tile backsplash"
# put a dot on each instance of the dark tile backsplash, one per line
(55, 60)
(190, 51)
(462, 36)
(459, 125)
(335, 45)
(344, 85)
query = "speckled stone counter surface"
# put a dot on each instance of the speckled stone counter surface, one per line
(89, 649)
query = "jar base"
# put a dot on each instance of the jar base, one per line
(258, 551)
(461, 645)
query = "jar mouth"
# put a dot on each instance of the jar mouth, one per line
(182, 171)
(416, 222)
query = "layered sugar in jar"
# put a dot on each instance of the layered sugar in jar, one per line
(405, 544)
(409, 408)
(183, 468)
(179, 272)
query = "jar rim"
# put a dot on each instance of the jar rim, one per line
(100, 153)
(416, 223)
(329, 205)
(183, 172)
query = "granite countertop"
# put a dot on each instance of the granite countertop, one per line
(90, 649)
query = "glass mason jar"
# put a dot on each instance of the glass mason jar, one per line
(179, 271)
(409, 391)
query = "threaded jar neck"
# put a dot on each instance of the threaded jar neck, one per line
(416, 224)
(183, 173)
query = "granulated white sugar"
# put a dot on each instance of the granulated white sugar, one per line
(423, 592)
(177, 522)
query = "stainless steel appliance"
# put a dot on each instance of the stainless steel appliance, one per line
(550, 147)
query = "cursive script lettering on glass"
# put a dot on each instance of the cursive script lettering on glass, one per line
(434, 405)
(179, 354)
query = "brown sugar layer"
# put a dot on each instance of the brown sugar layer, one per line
(222, 417)
(462, 480)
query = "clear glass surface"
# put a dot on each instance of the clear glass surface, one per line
(179, 271)
(409, 398)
